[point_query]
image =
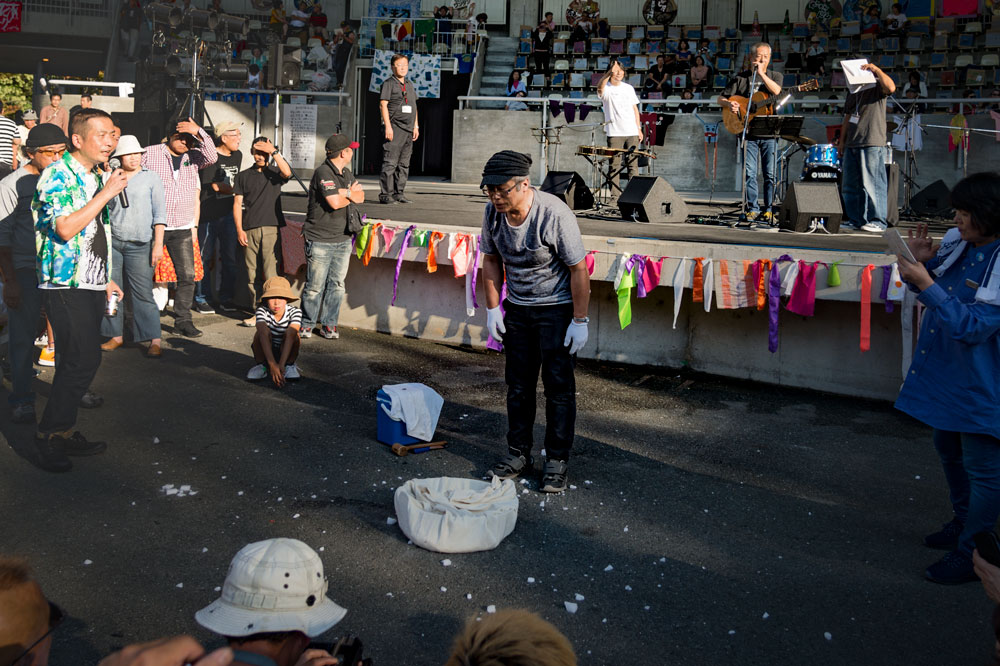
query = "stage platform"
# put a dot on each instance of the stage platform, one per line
(445, 204)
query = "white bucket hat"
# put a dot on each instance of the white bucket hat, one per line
(127, 145)
(274, 585)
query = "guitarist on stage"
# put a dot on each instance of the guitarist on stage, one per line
(757, 150)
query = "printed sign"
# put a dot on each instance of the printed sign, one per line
(10, 17)
(299, 135)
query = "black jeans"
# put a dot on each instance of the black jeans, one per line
(180, 245)
(533, 341)
(542, 59)
(75, 315)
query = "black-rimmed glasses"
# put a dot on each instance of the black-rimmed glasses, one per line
(56, 616)
(493, 190)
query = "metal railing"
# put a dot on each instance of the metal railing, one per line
(96, 8)
(447, 43)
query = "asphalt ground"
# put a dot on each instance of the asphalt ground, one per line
(709, 521)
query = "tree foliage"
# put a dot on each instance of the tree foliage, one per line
(15, 92)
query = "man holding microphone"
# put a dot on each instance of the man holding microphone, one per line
(73, 241)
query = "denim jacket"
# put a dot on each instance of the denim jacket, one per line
(146, 209)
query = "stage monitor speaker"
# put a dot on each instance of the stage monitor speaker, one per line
(652, 199)
(569, 186)
(934, 200)
(807, 201)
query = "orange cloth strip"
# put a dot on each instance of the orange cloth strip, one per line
(698, 282)
(432, 265)
(367, 256)
(866, 307)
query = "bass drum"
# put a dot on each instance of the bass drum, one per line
(659, 12)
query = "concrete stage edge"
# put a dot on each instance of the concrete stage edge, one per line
(820, 352)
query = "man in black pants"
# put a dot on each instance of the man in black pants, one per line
(533, 237)
(541, 49)
(73, 263)
(398, 106)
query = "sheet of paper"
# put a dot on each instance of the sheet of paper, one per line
(897, 245)
(857, 78)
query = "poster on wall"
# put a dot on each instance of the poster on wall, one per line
(299, 135)
(10, 17)
(394, 8)
(424, 74)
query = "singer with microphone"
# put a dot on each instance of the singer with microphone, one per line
(621, 113)
(138, 221)
(759, 152)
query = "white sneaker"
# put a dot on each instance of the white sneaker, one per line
(305, 333)
(42, 340)
(257, 372)
(292, 372)
(873, 228)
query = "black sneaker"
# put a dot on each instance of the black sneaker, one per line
(947, 537)
(384, 200)
(228, 308)
(187, 329)
(91, 400)
(202, 307)
(952, 569)
(403, 200)
(554, 476)
(50, 455)
(77, 445)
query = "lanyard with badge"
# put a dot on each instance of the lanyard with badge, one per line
(856, 117)
(406, 108)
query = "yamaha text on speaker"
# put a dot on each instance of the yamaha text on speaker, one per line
(652, 199)
(806, 202)
(569, 186)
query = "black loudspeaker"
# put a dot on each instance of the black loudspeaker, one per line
(569, 186)
(892, 203)
(934, 200)
(807, 201)
(652, 199)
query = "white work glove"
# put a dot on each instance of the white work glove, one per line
(494, 323)
(576, 336)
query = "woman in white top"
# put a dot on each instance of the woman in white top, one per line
(915, 82)
(621, 113)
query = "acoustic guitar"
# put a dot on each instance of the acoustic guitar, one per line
(759, 104)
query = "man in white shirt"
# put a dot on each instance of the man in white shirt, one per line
(621, 113)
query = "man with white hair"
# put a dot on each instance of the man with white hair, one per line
(273, 603)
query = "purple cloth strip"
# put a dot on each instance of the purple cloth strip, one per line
(555, 108)
(475, 274)
(399, 260)
(774, 302)
(495, 345)
(884, 293)
(638, 261)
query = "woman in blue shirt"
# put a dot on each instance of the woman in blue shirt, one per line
(951, 384)
(136, 247)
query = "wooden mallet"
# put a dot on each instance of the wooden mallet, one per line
(401, 450)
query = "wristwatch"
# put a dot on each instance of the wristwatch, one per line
(581, 320)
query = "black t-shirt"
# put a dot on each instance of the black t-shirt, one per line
(399, 95)
(175, 161)
(261, 192)
(215, 204)
(323, 223)
(739, 85)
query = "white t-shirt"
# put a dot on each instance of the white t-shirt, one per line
(895, 21)
(619, 110)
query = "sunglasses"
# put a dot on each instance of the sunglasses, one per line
(58, 152)
(56, 616)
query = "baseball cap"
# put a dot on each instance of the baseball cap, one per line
(29, 115)
(45, 134)
(273, 585)
(227, 126)
(337, 142)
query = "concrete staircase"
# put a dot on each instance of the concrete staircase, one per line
(500, 55)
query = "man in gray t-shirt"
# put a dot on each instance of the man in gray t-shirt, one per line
(533, 238)
(862, 149)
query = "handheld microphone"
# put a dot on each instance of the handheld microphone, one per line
(116, 163)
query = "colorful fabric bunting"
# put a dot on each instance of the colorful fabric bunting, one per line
(399, 261)
(866, 307)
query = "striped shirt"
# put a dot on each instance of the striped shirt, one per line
(293, 315)
(182, 187)
(8, 134)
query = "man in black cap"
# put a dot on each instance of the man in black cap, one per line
(533, 238)
(44, 145)
(328, 244)
(398, 107)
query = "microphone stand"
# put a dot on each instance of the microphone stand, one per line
(743, 139)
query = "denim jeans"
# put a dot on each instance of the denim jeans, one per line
(23, 322)
(971, 465)
(326, 269)
(75, 315)
(759, 151)
(132, 259)
(865, 186)
(220, 234)
(533, 342)
(180, 245)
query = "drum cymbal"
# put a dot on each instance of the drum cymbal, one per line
(801, 140)
(890, 126)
